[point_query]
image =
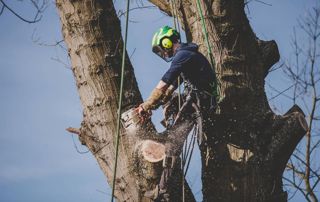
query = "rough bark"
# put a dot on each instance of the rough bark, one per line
(244, 155)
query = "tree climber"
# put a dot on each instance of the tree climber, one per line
(199, 80)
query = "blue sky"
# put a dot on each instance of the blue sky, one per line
(39, 99)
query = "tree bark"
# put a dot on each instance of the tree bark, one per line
(244, 155)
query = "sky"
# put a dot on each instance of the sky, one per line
(39, 99)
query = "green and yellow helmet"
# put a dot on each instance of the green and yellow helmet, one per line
(163, 40)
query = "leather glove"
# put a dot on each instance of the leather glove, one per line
(154, 100)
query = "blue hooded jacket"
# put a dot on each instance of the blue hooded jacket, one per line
(193, 66)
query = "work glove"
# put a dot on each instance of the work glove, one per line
(154, 100)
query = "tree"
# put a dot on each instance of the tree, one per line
(243, 157)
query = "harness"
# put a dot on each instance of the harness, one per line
(195, 99)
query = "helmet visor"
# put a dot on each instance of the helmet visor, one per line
(162, 53)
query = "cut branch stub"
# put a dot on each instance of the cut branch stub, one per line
(288, 131)
(152, 151)
(270, 54)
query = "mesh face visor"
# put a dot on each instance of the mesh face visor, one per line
(161, 53)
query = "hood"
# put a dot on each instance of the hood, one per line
(188, 46)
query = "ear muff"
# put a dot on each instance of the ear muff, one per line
(166, 43)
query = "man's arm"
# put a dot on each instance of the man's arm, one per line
(156, 96)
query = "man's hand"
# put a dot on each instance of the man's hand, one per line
(143, 114)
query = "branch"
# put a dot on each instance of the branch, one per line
(36, 18)
(259, 1)
(121, 13)
(270, 54)
(304, 163)
(279, 92)
(295, 170)
(74, 130)
(289, 130)
(297, 187)
(2, 9)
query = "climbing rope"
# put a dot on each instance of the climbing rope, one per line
(205, 33)
(120, 102)
(177, 27)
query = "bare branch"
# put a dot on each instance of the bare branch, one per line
(39, 9)
(262, 2)
(315, 146)
(295, 171)
(68, 66)
(297, 187)
(76, 147)
(281, 92)
(259, 1)
(121, 13)
(73, 130)
(2, 9)
(274, 68)
(303, 162)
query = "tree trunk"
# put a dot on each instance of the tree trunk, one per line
(244, 155)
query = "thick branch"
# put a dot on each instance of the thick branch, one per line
(269, 53)
(289, 130)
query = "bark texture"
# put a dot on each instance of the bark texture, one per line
(244, 156)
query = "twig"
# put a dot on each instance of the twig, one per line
(276, 68)
(73, 130)
(297, 187)
(121, 13)
(59, 61)
(263, 2)
(76, 147)
(302, 161)
(103, 192)
(36, 19)
(134, 50)
(273, 88)
(2, 9)
(281, 92)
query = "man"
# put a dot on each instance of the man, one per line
(199, 78)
